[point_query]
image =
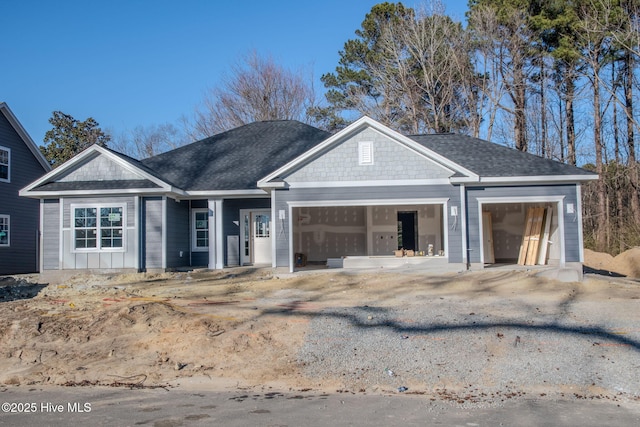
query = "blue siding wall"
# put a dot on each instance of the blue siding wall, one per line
(22, 254)
(178, 234)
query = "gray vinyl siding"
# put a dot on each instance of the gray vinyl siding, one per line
(51, 234)
(22, 254)
(347, 194)
(571, 225)
(153, 232)
(178, 234)
(231, 212)
(72, 259)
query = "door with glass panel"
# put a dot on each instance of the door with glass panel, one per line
(256, 237)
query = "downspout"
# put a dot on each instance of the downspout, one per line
(579, 212)
(164, 233)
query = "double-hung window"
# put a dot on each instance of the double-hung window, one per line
(4, 231)
(98, 228)
(5, 160)
(200, 230)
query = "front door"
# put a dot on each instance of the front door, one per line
(261, 237)
(408, 231)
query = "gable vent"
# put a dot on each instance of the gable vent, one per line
(365, 149)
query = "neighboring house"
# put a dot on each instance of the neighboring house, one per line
(280, 192)
(20, 163)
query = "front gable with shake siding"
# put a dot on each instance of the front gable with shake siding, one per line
(286, 195)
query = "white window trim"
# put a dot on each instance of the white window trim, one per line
(98, 247)
(195, 248)
(365, 153)
(8, 218)
(8, 150)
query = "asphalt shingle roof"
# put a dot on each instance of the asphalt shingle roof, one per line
(488, 159)
(236, 159)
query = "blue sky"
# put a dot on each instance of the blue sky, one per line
(142, 63)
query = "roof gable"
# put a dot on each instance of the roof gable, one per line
(351, 130)
(367, 156)
(97, 169)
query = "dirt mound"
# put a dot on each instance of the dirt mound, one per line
(99, 330)
(626, 263)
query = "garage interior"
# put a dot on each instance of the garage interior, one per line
(324, 233)
(520, 233)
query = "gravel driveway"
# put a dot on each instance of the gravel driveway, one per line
(480, 348)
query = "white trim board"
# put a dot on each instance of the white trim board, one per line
(380, 183)
(368, 202)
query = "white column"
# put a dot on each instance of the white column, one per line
(219, 236)
(215, 234)
(462, 218)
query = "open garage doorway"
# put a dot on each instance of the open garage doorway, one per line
(527, 233)
(323, 233)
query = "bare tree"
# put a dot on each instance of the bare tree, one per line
(433, 76)
(485, 32)
(143, 142)
(257, 89)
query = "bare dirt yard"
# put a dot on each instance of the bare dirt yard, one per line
(466, 336)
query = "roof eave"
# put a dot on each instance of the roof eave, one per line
(173, 192)
(225, 193)
(537, 179)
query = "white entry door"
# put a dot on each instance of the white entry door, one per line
(261, 237)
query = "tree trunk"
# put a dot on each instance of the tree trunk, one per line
(520, 117)
(543, 109)
(633, 167)
(601, 222)
(571, 132)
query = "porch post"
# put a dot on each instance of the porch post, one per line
(216, 236)
(369, 229)
(462, 216)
